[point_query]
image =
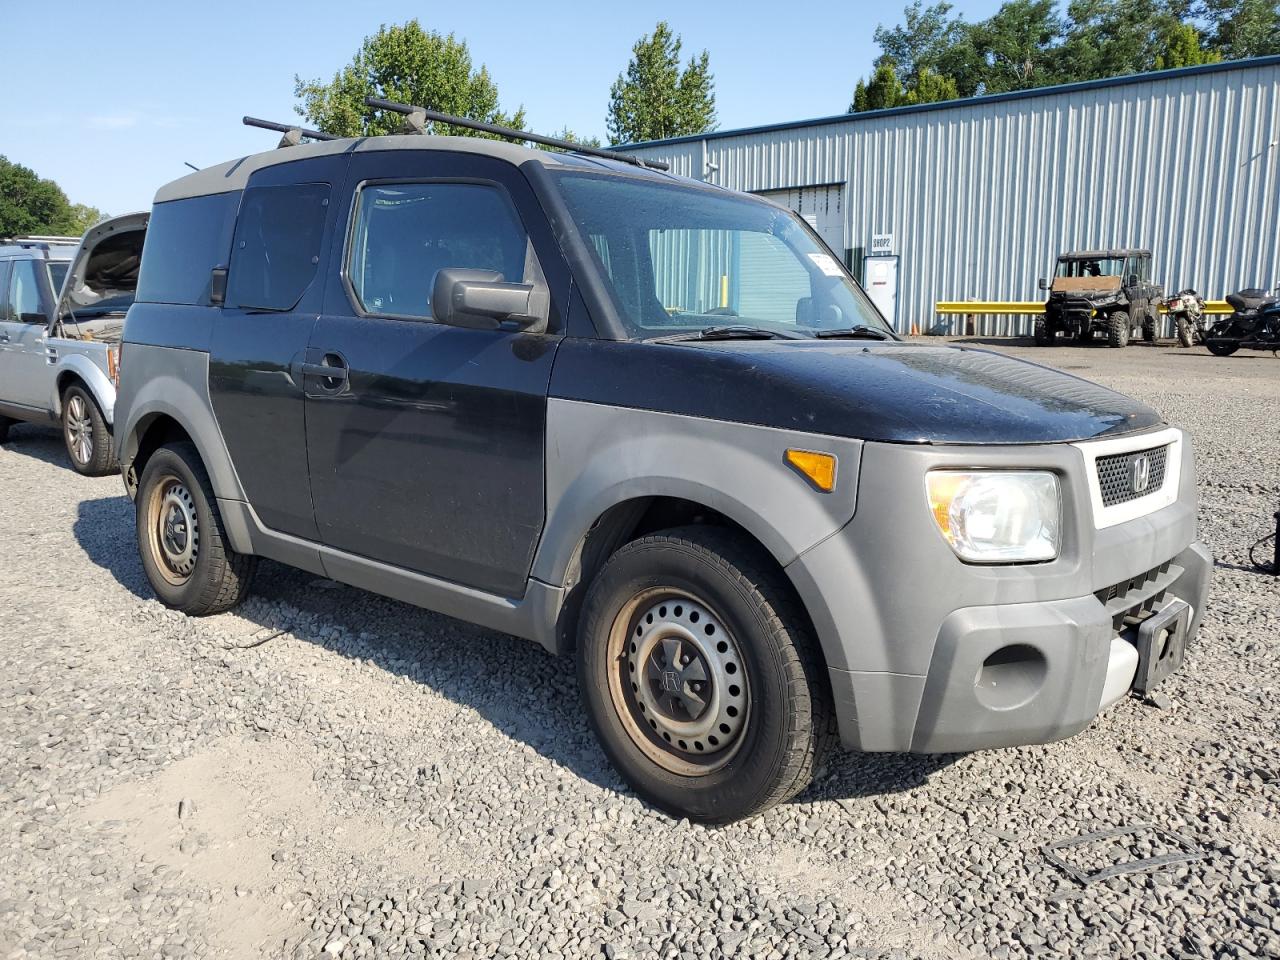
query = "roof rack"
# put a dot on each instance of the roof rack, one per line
(293, 134)
(416, 122)
(42, 238)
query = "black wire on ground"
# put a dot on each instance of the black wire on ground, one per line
(1273, 567)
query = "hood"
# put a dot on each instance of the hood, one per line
(104, 271)
(1085, 284)
(894, 392)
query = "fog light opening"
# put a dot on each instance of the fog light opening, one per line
(1010, 677)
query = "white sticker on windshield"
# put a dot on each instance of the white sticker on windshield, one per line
(827, 264)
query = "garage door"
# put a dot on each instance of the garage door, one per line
(821, 207)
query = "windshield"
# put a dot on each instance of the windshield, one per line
(1092, 267)
(682, 259)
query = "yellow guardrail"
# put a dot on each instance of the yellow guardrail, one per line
(1029, 307)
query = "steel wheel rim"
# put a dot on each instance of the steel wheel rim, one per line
(678, 681)
(173, 530)
(79, 430)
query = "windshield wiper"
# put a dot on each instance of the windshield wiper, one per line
(736, 331)
(853, 333)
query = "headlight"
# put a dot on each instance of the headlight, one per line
(997, 517)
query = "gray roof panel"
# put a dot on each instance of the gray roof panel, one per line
(234, 174)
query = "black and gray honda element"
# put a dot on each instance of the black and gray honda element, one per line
(653, 425)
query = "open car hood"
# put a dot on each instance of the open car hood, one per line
(106, 262)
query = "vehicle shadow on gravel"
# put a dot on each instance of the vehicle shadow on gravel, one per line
(38, 443)
(512, 684)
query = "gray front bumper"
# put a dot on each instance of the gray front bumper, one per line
(1037, 672)
(928, 654)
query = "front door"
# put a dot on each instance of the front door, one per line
(26, 322)
(426, 444)
(274, 294)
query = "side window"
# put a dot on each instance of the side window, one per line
(276, 250)
(405, 233)
(186, 239)
(4, 290)
(24, 293)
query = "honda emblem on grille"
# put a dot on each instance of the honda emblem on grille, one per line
(1140, 473)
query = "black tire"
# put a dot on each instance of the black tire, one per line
(784, 723)
(1186, 334)
(1150, 323)
(5, 424)
(1118, 327)
(86, 435)
(208, 578)
(1042, 335)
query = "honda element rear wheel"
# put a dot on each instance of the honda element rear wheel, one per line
(700, 676)
(181, 537)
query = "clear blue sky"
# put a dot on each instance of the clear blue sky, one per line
(113, 95)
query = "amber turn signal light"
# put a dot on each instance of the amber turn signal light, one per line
(818, 468)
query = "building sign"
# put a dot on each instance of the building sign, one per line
(882, 243)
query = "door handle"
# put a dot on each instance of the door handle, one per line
(329, 372)
(332, 371)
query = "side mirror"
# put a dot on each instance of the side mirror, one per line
(480, 300)
(1133, 280)
(1044, 284)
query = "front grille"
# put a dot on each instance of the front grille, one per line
(1138, 595)
(1116, 475)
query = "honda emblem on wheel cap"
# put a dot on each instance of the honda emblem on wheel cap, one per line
(1140, 473)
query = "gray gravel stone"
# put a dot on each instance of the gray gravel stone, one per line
(378, 781)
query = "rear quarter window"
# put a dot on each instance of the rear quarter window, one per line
(186, 239)
(276, 250)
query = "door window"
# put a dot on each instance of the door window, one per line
(276, 250)
(406, 233)
(24, 294)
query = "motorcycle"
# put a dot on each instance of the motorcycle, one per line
(1255, 324)
(1187, 310)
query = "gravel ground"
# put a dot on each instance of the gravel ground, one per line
(325, 773)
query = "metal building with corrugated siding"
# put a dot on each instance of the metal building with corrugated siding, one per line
(974, 199)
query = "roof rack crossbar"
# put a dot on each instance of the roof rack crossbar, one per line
(293, 134)
(415, 118)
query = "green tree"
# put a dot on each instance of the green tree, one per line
(1182, 46)
(881, 92)
(928, 39)
(930, 87)
(32, 205)
(1243, 28)
(1019, 46)
(407, 64)
(884, 90)
(654, 99)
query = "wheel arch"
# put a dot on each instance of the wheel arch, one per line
(637, 516)
(80, 371)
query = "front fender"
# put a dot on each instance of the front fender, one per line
(599, 456)
(80, 367)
